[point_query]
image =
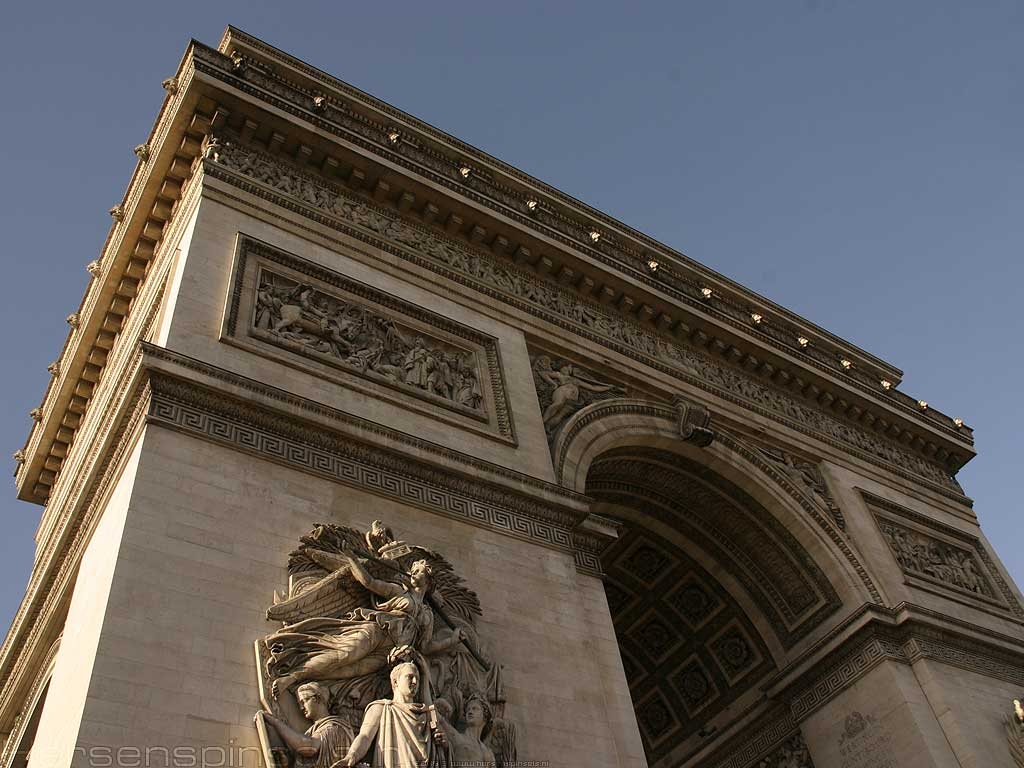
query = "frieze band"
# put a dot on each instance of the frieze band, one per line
(230, 160)
(366, 334)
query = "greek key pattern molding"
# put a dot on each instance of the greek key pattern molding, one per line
(311, 196)
(208, 415)
(845, 673)
(904, 644)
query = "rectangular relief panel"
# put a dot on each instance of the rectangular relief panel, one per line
(943, 560)
(308, 317)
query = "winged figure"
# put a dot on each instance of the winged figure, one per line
(353, 598)
(565, 389)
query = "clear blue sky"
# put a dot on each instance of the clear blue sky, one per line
(857, 162)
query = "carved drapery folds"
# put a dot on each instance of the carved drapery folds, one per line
(564, 388)
(359, 610)
(304, 315)
(807, 476)
(943, 559)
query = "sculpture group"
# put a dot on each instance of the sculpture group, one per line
(378, 660)
(918, 553)
(356, 337)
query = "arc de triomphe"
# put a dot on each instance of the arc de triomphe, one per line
(357, 423)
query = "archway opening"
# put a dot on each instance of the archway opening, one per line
(707, 591)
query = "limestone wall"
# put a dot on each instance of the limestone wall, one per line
(81, 700)
(195, 329)
(206, 540)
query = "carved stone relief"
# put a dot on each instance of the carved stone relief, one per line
(286, 303)
(299, 317)
(943, 559)
(564, 388)
(807, 476)
(792, 754)
(377, 652)
(923, 555)
(307, 193)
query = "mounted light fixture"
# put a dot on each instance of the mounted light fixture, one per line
(847, 364)
(532, 205)
(958, 423)
(803, 341)
(652, 265)
(886, 384)
(595, 235)
(706, 292)
(922, 404)
(756, 318)
(394, 137)
(465, 171)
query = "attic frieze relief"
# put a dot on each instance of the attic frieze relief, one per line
(312, 196)
(387, 132)
(303, 315)
(943, 560)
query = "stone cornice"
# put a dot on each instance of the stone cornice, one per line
(303, 114)
(308, 193)
(142, 222)
(873, 634)
(402, 141)
(228, 394)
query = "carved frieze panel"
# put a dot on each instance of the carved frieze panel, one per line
(942, 559)
(335, 327)
(314, 197)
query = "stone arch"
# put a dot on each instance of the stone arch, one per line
(615, 423)
(726, 568)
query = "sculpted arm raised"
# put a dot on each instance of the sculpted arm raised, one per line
(381, 588)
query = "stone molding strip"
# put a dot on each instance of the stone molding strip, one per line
(38, 614)
(276, 181)
(904, 635)
(519, 506)
(80, 489)
(432, 154)
(32, 701)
